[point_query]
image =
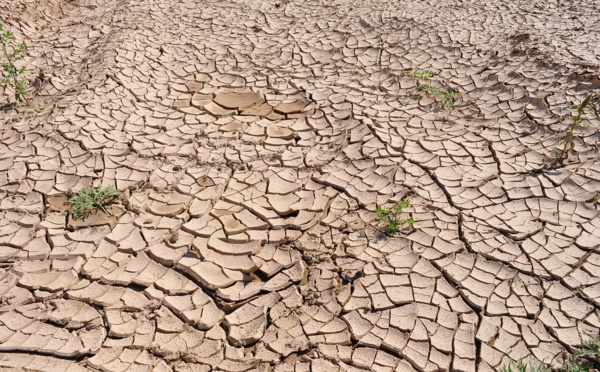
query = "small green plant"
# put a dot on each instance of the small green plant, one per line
(578, 114)
(422, 75)
(446, 97)
(84, 202)
(391, 219)
(589, 348)
(12, 52)
(534, 366)
(573, 368)
(587, 358)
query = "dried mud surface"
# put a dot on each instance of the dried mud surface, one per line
(253, 140)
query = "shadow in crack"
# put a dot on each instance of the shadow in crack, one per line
(8, 107)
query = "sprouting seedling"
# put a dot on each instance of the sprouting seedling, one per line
(85, 201)
(446, 97)
(578, 113)
(12, 52)
(391, 219)
(422, 75)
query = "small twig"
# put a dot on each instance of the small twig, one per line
(103, 209)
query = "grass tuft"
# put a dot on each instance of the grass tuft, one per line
(520, 366)
(86, 201)
(584, 359)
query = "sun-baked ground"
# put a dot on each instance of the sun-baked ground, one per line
(253, 140)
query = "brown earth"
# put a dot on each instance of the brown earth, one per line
(253, 140)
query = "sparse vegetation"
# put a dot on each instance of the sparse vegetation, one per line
(391, 219)
(86, 201)
(422, 75)
(578, 113)
(585, 359)
(444, 96)
(532, 366)
(12, 75)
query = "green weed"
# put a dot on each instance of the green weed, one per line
(589, 348)
(578, 114)
(573, 368)
(391, 219)
(86, 201)
(586, 358)
(12, 53)
(444, 96)
(533, 366)
(422, 75)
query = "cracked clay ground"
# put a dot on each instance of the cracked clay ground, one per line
(253, 140)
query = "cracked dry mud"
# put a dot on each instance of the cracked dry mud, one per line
(253, 140)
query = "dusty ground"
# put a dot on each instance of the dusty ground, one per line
(253, 140)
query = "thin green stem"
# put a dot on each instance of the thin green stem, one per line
(569, 140)
(13, 72)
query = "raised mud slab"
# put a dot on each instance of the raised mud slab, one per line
(253, 140)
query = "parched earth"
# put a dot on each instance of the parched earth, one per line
(253, 140)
